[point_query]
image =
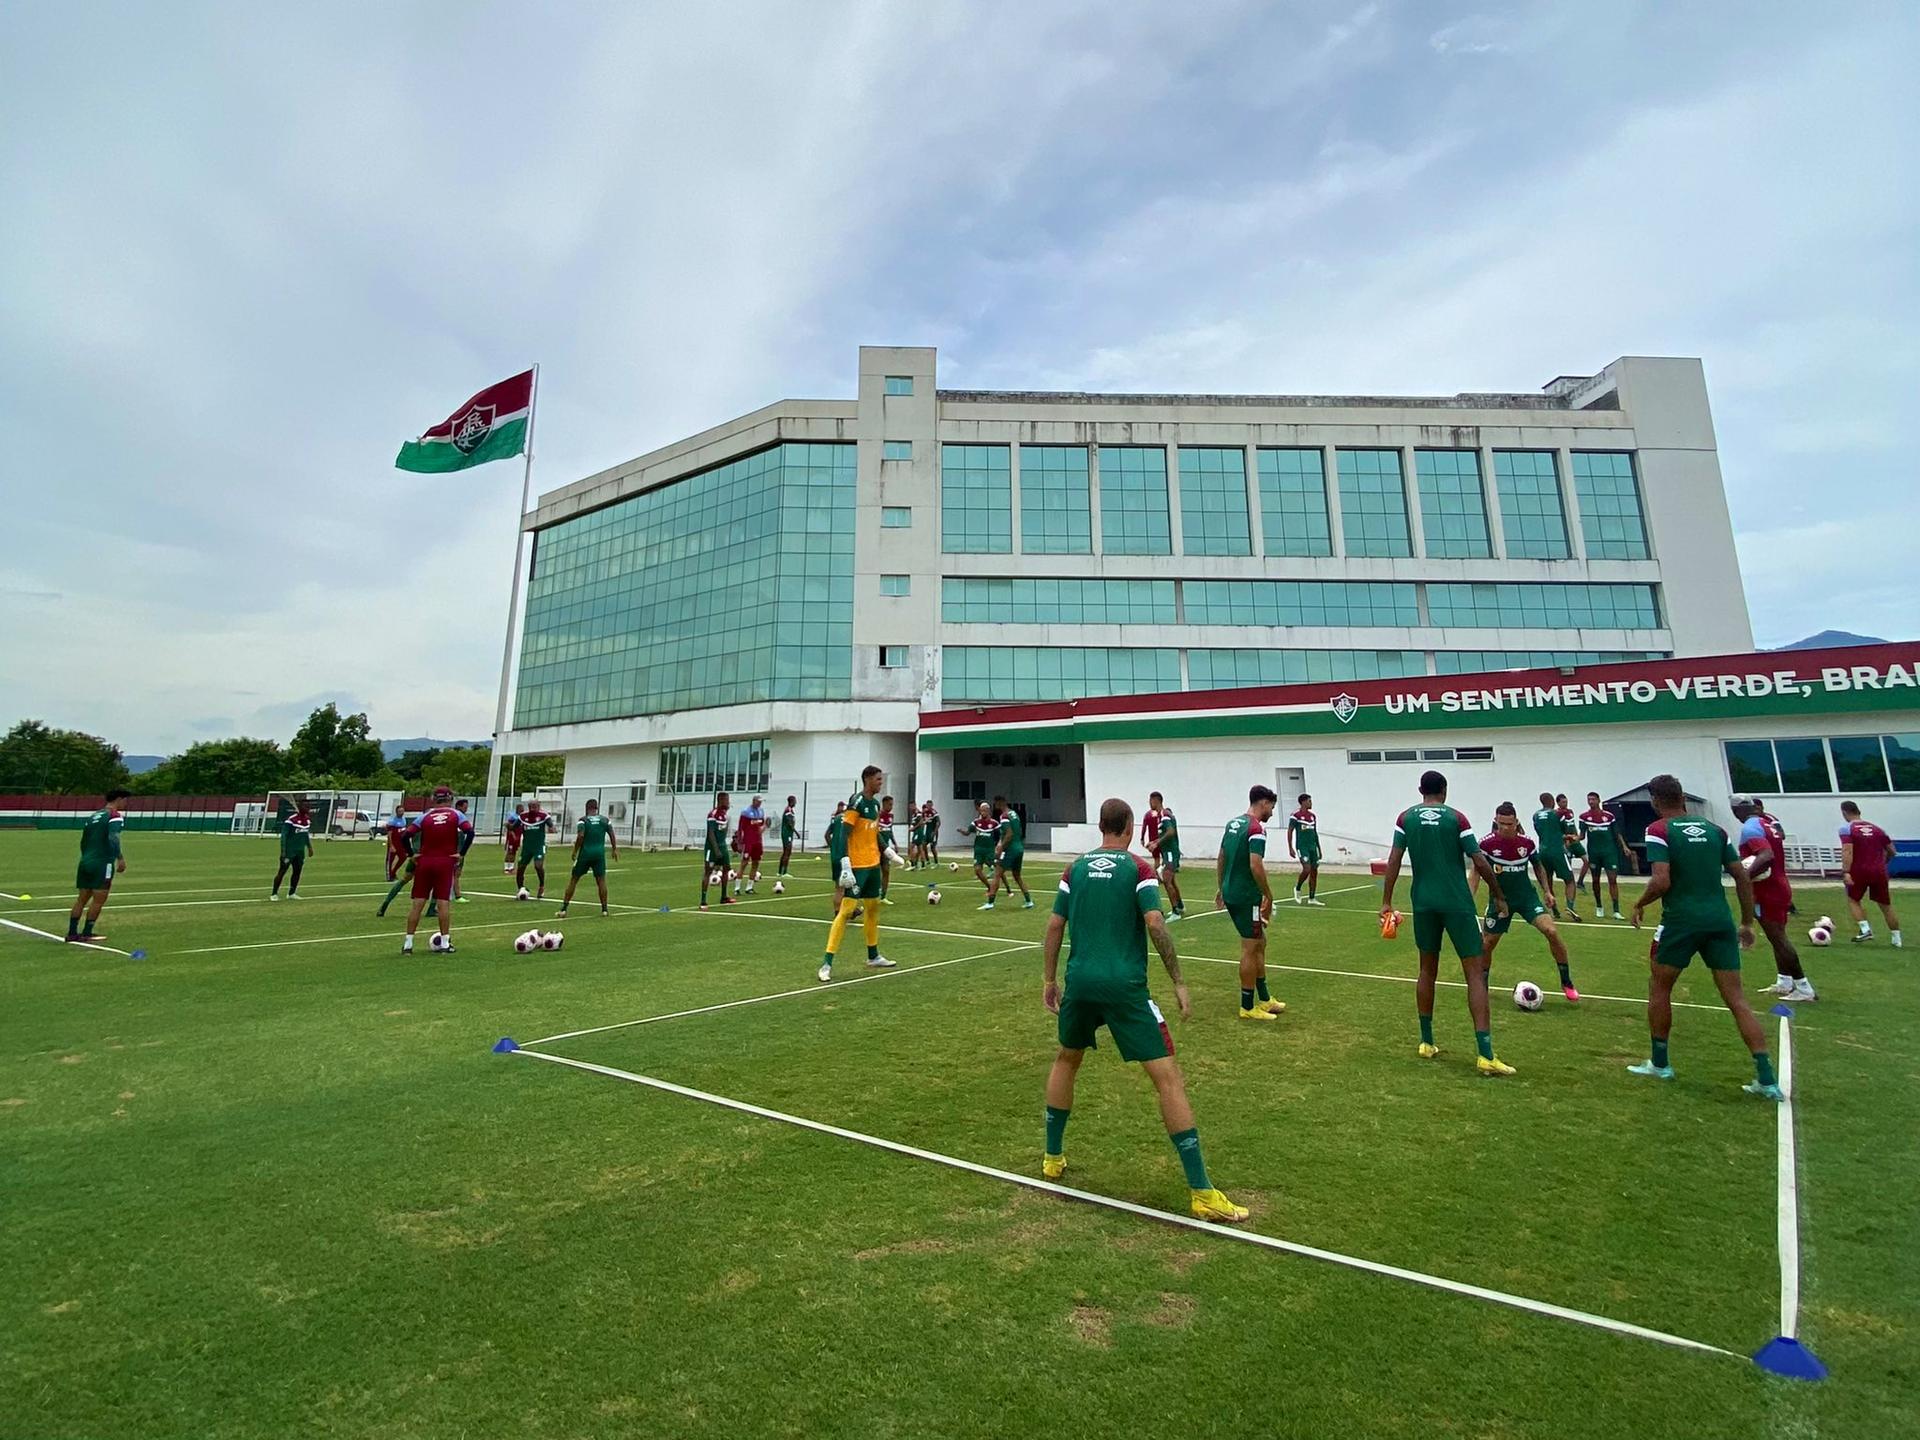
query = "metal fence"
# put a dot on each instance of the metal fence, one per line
(649, 818)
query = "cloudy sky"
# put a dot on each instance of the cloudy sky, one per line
(248, 249)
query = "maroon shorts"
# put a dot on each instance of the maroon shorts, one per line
(1772, 902)
(750, 849)
(1874, 887)
(433, 878)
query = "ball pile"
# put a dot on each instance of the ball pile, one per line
(533, 940)
(1822, 931)
(1526, 996)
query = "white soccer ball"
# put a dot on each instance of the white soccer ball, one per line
(933, 897)
(1825, 922)
(713, 877)
(733, 874)
(1820, 935)
(526, 942)
(779, 887)
(954, 865)
(438, 942)
(523, 894)
(552, 940)
(1526, 996)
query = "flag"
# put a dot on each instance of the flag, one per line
(490, 426)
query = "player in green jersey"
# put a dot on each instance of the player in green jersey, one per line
(1303, 840)
(859, 871)
(1010, 853)
(983, 827)
(933, 835)
(789, 832)
(100, 861)
(716, 859)
(1687, 856)
(593, 838)
(889, 846)
(296, 844)
(1550, 831)
(1606, 853)
(1165, 846)
(1241, 889)
(1513, 855)
(1440, 844)
(1110, 904)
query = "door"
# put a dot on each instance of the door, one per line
(1290, 784)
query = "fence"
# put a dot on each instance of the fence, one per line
(647, 817)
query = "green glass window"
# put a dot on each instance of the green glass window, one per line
(1520, 606)
(1213, 501)
(1610, 517)
(899, 384)
(1474, 662)
(1903, 760)
(1300, 602)
(1750, 767)
(1055, 515)
(1228, 669)
(972, 600)
(896, 517)
(896, 584)
(1453, 507)
(1858, 764)
(1003, 673)
(1293, 502)
(1133, 501)
(1373, 503)
(896, 449)
(976, 499)
(670, 600)
(737, 766)
(1531, 514)
(1803, 767)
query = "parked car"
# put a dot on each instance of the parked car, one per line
(354, 822)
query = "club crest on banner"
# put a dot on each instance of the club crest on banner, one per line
(472, 428)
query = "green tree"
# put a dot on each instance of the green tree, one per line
(34, 756)
(465, 771)
(412, 762)
(223, 767)
(336, 747)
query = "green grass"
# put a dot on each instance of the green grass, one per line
(289, 1188)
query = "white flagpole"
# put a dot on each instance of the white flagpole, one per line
(513, 595)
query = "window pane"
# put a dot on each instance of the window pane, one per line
(1055, 516)
(1610, 517)
(1300, 602)
(1133, 501)
(1453, 509)
(1002, 673)
(896, 517)
(1858, 763)
(1543, 607)
(896, 450)
(1373, 503)
(1903, 759)
(1530, 509)
(1293, 503)
(1213, 501)
(1750, 766)
(898, 384)
(981, 601)
(896, 584)
(1803, 767)
(976, 499)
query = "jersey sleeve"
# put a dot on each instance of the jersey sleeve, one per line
(1063, 897)
(1400, 829)
(1146, 888)
(115, 824)
(1728, 855)
(1256, 838)
(1469, 842)
(1846, 834)
(1657, 843)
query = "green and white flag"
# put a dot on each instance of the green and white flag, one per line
(490, 426)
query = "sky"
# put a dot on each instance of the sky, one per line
(248, 250)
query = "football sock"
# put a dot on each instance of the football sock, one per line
(398, 885)
(873, 929)
(1483, 1039)
(1763, 1068)
(838, 930)
(1313, 887)
(1865, 928)
(1056, 1128)
(1566, 977)
(1426, 1029)
(1260, 988)
(87, 929)
(1246, 998)
(1660, 1053)
(1187, 1143)
(73, 924)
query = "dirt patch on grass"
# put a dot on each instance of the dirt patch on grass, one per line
(1857, 1322)
(440, 1229)
(927, 1245)
(1091, 1326)
(76, 1059)
(13, 1102)
(65, 1307)
(1174, 1312)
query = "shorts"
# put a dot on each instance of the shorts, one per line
(982, 857)
(1309, 855)
(1462, 927)
(866, 883)
(1246, 919)
(1495, 923)
(433, 879)
(1576, 849)
(718, 862)
(751, 850)
(596, 863)
(1676, 948)
(92, 875)
(1557, 866)
(1170, 860)
(1138, 1028)
(1012, 861)
(1874, 889)
(1773, 906)
(533, 854)
(1601, 857)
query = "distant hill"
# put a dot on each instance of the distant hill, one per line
(394, 749)
(1832, 640)
(141, 764)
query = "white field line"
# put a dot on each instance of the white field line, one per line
(393, 934)
(814, 989)
(60, 939)
(186, 904)
(1249, 1237)
(121, 887)
(1789, 1194)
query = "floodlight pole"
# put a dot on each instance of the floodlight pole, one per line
(513, 594)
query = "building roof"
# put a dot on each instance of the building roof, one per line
(1466, 400)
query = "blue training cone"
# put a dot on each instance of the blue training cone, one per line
(1785, 1012)
(666, 909)
(506, 1046)
(138, 955)
(1783, 1355)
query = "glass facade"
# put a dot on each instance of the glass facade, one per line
(1858, 764)
(976, 499)
(1213, 501)
(1861, 765)
(973, 601)
(738, 766)
(1531, 514)
(1610, 517)
(1133, 501)
(1056, 517)
(1373, 503)
(1002, 673)
(1293, 502)
(1521, 606)
(1227, 669)
(667, 600)
(1468, 662)
(1300, 602)
(1453, 508)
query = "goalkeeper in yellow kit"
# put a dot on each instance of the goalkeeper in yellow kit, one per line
(860, 873)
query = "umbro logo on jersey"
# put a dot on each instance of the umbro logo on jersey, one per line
(1345, 707)
(1101, 866)
(1429, 816)
(1694, 832)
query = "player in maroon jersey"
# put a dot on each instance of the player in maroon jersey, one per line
(1864, 851)
(1515, 857)
(437, 833)
(1763, 850)
(1150, 821)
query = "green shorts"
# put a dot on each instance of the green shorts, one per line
(93, 875)
(1462, 927)
(1170, 860)
(866, 884)
(1138, 1028)
(983, 855)
(1576, 849)
(1497, 924)
(1603, 857)
(1676, 948)
(1309, 855)
(596, 863)
(1557, 866)
(533, 854)
(1012, 860)
(1246, 920)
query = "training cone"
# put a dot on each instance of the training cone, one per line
(26, 897)
(1783, 1355)
(506, 1046)
(1785, 1012)
(666, 909)
(138, 955)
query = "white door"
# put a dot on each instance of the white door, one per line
(1290, 784)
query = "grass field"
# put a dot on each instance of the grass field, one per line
(272, 1179)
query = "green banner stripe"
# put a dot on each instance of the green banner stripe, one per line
(433, 457)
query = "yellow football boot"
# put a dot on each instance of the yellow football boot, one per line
(1053, 1166)
(1427, 1052)
(1272, 1007)
(1256, 1013)
(1212, 1205)
(1491, 1067)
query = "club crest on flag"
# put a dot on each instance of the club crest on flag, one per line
(1345, 707)
(471, 427)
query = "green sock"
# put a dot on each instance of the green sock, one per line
(1660, 1053)
(1566, 977)
(1483, 1041)
(73, 924)
(87, 929)
(873, 952)
(1246, 999)
(1056, 1129)
(398, 885)
(1187, 1142)
(1426, 1029)
(1260, 988)
(1763, 1068)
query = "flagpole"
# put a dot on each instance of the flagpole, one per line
(513, 595)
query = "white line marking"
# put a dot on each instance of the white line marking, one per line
(1789, 1193)
(342, 939)
(814, 989)
(1250, 1237)
(185, 904)
(5, 896)
(60, 939)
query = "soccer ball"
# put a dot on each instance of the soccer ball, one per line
(552, 940)
(733, 874)
(713, 877)
(1821, 934)
(1526, 996)
(954, 865)
(1825, 922)
(933, 897)
(779, 887)
(439, 942)
(522, 894)
(528, 942)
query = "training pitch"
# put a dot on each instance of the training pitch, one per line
(274, 1178)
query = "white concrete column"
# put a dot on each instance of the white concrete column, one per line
(1490, 497)
(1410, 497)
(1093, 496)
(1174, 529)
(1256, 536)
(1570, 503)
(1330, 482)
(1013, 493)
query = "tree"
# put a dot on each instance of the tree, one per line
(465, 771)
(223, 767)
(337, 747)
(34, 756)
(412, 762)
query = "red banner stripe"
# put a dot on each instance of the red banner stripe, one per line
(509, 397)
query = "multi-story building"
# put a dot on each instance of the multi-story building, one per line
(781, 597)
